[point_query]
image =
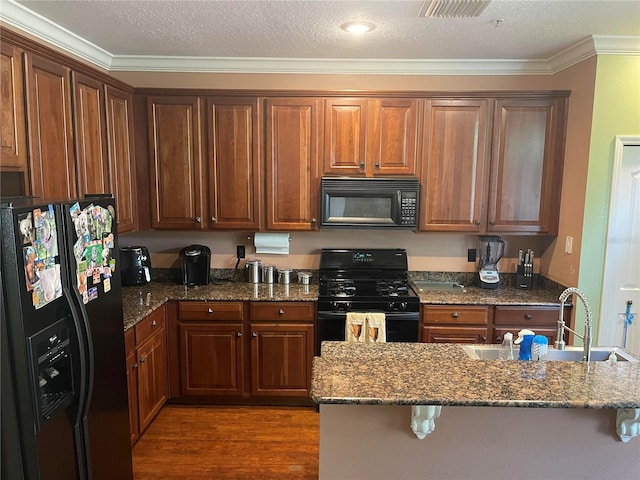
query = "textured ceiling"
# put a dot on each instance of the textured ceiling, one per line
(530, 29)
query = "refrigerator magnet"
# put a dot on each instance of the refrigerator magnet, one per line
(75, 210)
(108, 240)
(25, 226)
(96, 276)
(93, 293)
(107, 285)
(30, 269)
(112, 265)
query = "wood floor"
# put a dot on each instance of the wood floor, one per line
(211, 442)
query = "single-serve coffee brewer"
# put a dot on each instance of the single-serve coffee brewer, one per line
(196, 262)
(491, 251)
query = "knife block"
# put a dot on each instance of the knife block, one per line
(523, 280)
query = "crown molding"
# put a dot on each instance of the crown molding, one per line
(22, 18)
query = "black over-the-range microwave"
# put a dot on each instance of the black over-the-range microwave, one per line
(349, 202)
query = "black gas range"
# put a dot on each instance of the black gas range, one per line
(366, 280)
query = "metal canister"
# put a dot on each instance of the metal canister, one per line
(284, 276)
(254, 267)
(268, 273)
(304, 278)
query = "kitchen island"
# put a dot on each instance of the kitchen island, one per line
(565, 426)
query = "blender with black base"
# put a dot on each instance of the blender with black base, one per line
(491, 251)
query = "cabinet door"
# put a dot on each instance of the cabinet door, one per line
(454, 335)
(345, 136)
(293, 130)
(49, 124)
(211, 359)
(549, 332)
(152, 377)
(281, 356)
(175, 142)
(132, 383)
(526, 165)
(90, 130)
(122, 169)
(13, 136)
(454, 166)
(234, 163)
(392, 127)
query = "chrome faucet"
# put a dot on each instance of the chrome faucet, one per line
(586, 338)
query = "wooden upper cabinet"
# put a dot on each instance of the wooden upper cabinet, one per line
(371, 137)
(455, 165)
(175, 148)
(50, 130)
(90, 135)
(119, 112)
(345, 136)
(293, 143)
(13, 136)
(526, 165)
(235, 176)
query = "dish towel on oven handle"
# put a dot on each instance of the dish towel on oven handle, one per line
(355, 327)
(376, 327)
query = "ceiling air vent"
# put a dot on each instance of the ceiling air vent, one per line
(453, 8)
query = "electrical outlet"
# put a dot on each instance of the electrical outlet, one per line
(240, 251)
(568, 245)
(471, 255)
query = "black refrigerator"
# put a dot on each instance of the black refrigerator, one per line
(64, 385)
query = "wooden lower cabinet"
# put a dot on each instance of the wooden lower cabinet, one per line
(281, 357)
(543, 320)
(455, 324)
(147, 370)
(211, 359)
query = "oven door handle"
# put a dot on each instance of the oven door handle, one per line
(390, 316)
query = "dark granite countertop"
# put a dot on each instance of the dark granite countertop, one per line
(138, 302)
(473, 295)
(442, 374)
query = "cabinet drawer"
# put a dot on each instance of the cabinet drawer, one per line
(152, 323)
(282, 311)
(129, 341)
(456, 315)
(526, 315)
(210, 310)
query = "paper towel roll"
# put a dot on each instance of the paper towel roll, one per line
(277, 243)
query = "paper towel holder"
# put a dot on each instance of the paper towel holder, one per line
(251, 237)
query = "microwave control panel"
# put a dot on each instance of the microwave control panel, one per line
(408, 210)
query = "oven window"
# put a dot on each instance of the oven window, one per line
(358, 209)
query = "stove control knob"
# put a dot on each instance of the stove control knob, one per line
(391, 306)
(403, 305)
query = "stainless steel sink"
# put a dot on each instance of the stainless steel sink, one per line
(425, 286)
(570, 354)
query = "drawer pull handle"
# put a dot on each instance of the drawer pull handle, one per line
(209, 310)
(154, 323)
(455, 314)
(528, 316)
(281, 312)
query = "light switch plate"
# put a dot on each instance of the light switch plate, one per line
(568, 244)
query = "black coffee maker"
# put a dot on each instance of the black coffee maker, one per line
(196, 261)
(136, 265)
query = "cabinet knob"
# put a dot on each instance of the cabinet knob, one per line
(499, 339)
(362, 165)
(314, 220)
(153, 323)
(281, 312)
(198, 219)
(254, 334)
(143, 359)
(238, 334)
(528, 316)
(209, 310)
(135, 365)
(477, 222)
(214, 219)
(484, 338)
(377, 165)
(492, 222)
(455, 314)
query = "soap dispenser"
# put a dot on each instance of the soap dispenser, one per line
(525, 337)
(506, 349)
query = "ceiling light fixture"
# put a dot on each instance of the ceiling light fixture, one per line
(357, 28)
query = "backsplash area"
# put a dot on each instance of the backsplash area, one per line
(427, 252)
